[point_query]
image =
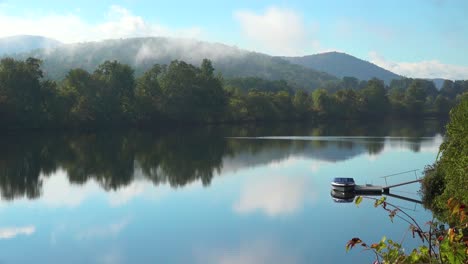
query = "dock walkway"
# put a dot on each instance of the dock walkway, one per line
(377, 190)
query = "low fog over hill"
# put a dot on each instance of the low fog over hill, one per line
(25, 43)
(142, 53)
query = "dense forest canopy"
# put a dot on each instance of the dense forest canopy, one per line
(181, 92)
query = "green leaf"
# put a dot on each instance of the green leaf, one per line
(381, 246)
(414, 256)
(380, 201)
(424, 250)
(384, 238)
(358, 200)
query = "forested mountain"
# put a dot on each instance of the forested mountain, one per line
(342, 65)
(25, 43)
(142, 53)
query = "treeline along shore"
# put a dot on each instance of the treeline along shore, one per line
(184, 93)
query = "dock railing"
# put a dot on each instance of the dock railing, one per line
(400, 173)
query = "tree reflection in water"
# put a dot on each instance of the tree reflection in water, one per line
(178, 156)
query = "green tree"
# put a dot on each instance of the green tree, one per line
(459, 87)
(260, 106)
(375, 98)
(401, 84)
(116, 90)
(238, 109)
(178, 88)
(283, 105)
(442, 105)
(81, 93)
(396, 97)
(191, 93)
(20, 90)
(211, 97)
(448, 89)
(52, 105)
(348, 104)
(415, 97)
(450, 172)
(149, 94)
(302, 104)
(249, 83)
(350, 82)
(322, 102)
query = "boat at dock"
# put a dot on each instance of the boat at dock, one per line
(344, 190)
(343, 184)
(342, 197)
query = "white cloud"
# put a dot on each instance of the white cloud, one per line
(291, 161)
(433, 145)
(257, 252)
(426, 145)
(315, 166)
(278, 31)
(113, 256)
(422, 69)
(372, 157)
(11, 232)
(110, 230)
(118, 23)
(129, 192)
(58, 192)
(274, 195)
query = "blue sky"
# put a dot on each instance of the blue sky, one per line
(417, 38)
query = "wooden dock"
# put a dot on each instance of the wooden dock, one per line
(386, 189)
(370, 189)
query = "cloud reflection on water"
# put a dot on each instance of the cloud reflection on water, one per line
(104, 231)
(12, 232)
(275, 195)
(256, 252)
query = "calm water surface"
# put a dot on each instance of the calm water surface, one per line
(213, 195)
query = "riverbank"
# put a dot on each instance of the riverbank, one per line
(447, 178)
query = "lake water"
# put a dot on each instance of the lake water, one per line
(205, 195)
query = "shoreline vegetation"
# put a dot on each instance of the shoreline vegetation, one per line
(180, 93)
(447, 178)
(444, 238)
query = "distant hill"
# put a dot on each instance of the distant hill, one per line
(341, 65)
(25, 43)
(142, 53)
